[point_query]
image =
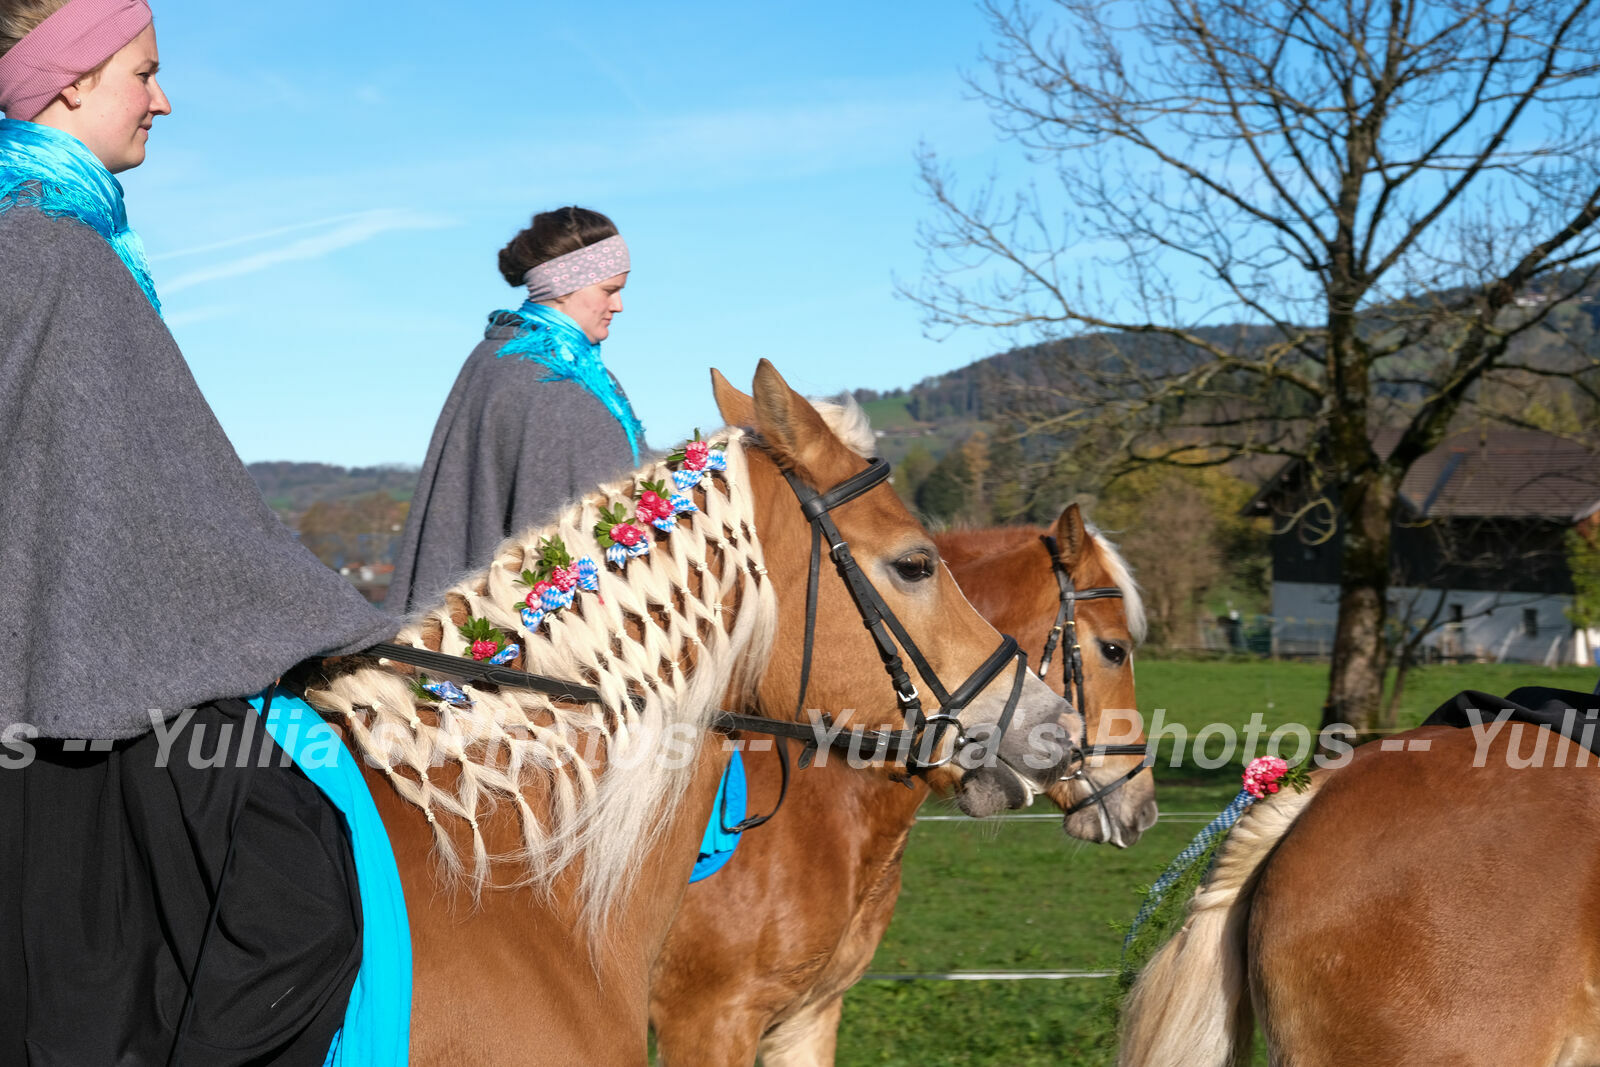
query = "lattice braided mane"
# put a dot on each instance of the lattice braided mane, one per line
(679, 627)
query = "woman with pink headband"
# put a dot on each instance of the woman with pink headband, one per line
(534, 420)
(171, 889)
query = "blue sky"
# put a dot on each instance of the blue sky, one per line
(324, 207)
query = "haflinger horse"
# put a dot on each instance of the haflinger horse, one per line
(1435, 901)
(762, 952)
(544, 842)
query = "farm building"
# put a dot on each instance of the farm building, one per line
(1478, 555)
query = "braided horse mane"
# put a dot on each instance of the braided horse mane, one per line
(663, 642)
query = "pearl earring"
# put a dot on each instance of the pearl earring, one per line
(78, 102)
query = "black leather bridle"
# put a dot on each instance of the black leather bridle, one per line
(923, 733)
(1072, 676)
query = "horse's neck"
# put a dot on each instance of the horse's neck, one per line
(661, 641)
(1014, 589)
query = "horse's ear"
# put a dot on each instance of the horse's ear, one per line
(1072, 539)
(794, 433)
(737, 408)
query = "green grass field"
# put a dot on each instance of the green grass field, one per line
(1022, 896)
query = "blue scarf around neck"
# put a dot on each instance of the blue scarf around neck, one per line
(53, 171)
(553, 340)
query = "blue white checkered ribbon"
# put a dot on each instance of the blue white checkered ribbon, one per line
(1193, 851)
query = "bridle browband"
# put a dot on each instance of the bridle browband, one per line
(1072, 676)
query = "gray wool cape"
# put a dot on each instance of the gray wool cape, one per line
(508, 453)
(140, 568)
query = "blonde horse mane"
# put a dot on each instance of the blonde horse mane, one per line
(1122, 578)
(663, 642)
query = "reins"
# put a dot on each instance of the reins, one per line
(1072, 678)
(473, 670)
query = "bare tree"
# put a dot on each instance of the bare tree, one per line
(1268, 227)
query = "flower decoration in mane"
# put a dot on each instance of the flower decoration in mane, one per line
(694, 463)
(619, 536)
(554, 580)
(485, 641)
(625, 536)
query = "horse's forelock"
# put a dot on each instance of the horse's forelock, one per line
(849, 423)
(1110, 557)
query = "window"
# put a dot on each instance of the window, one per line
(1530, 622)
(1455, 614)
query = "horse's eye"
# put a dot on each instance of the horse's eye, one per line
(916, 567)
(1114, 653)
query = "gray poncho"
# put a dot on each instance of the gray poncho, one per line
(508, 453)
(139, 567)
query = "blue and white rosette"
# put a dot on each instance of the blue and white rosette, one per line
(685, 480)
(531, 618)
(449, 692)
(554, 599)
(666, 524)
(505, 655)
(588, 574)
(683, 504)
(717, 460)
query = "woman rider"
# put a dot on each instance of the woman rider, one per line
(534, 420)
(144, 587)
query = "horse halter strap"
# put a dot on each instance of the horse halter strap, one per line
(1072, 675)
(886, 629)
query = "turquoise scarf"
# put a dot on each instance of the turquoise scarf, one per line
(551, 339)
(42, 167)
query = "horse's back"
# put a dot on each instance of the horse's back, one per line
(1436, 906)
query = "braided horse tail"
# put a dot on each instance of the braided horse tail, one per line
(1191, 1004)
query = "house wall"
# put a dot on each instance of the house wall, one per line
(1492, 627)
(1508, 556)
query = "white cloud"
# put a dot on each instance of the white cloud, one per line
(343, 232)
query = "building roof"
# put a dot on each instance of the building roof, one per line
(1504, 472)
(1488, 472)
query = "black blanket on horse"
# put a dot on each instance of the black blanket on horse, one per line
(1568, 712)
(128, 935)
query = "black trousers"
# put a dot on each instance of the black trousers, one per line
(111, 880)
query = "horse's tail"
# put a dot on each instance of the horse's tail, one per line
(1191, 1004)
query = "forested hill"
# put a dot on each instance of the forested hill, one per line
(946, 409)
(291, 488)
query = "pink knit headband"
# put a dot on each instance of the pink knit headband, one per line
(576, 270)
(76, 38)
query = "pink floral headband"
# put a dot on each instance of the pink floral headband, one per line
(76, 38)
(575, 270)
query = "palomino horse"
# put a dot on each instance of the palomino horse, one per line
(762, 953)
(1439, 904)
(565, 831)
